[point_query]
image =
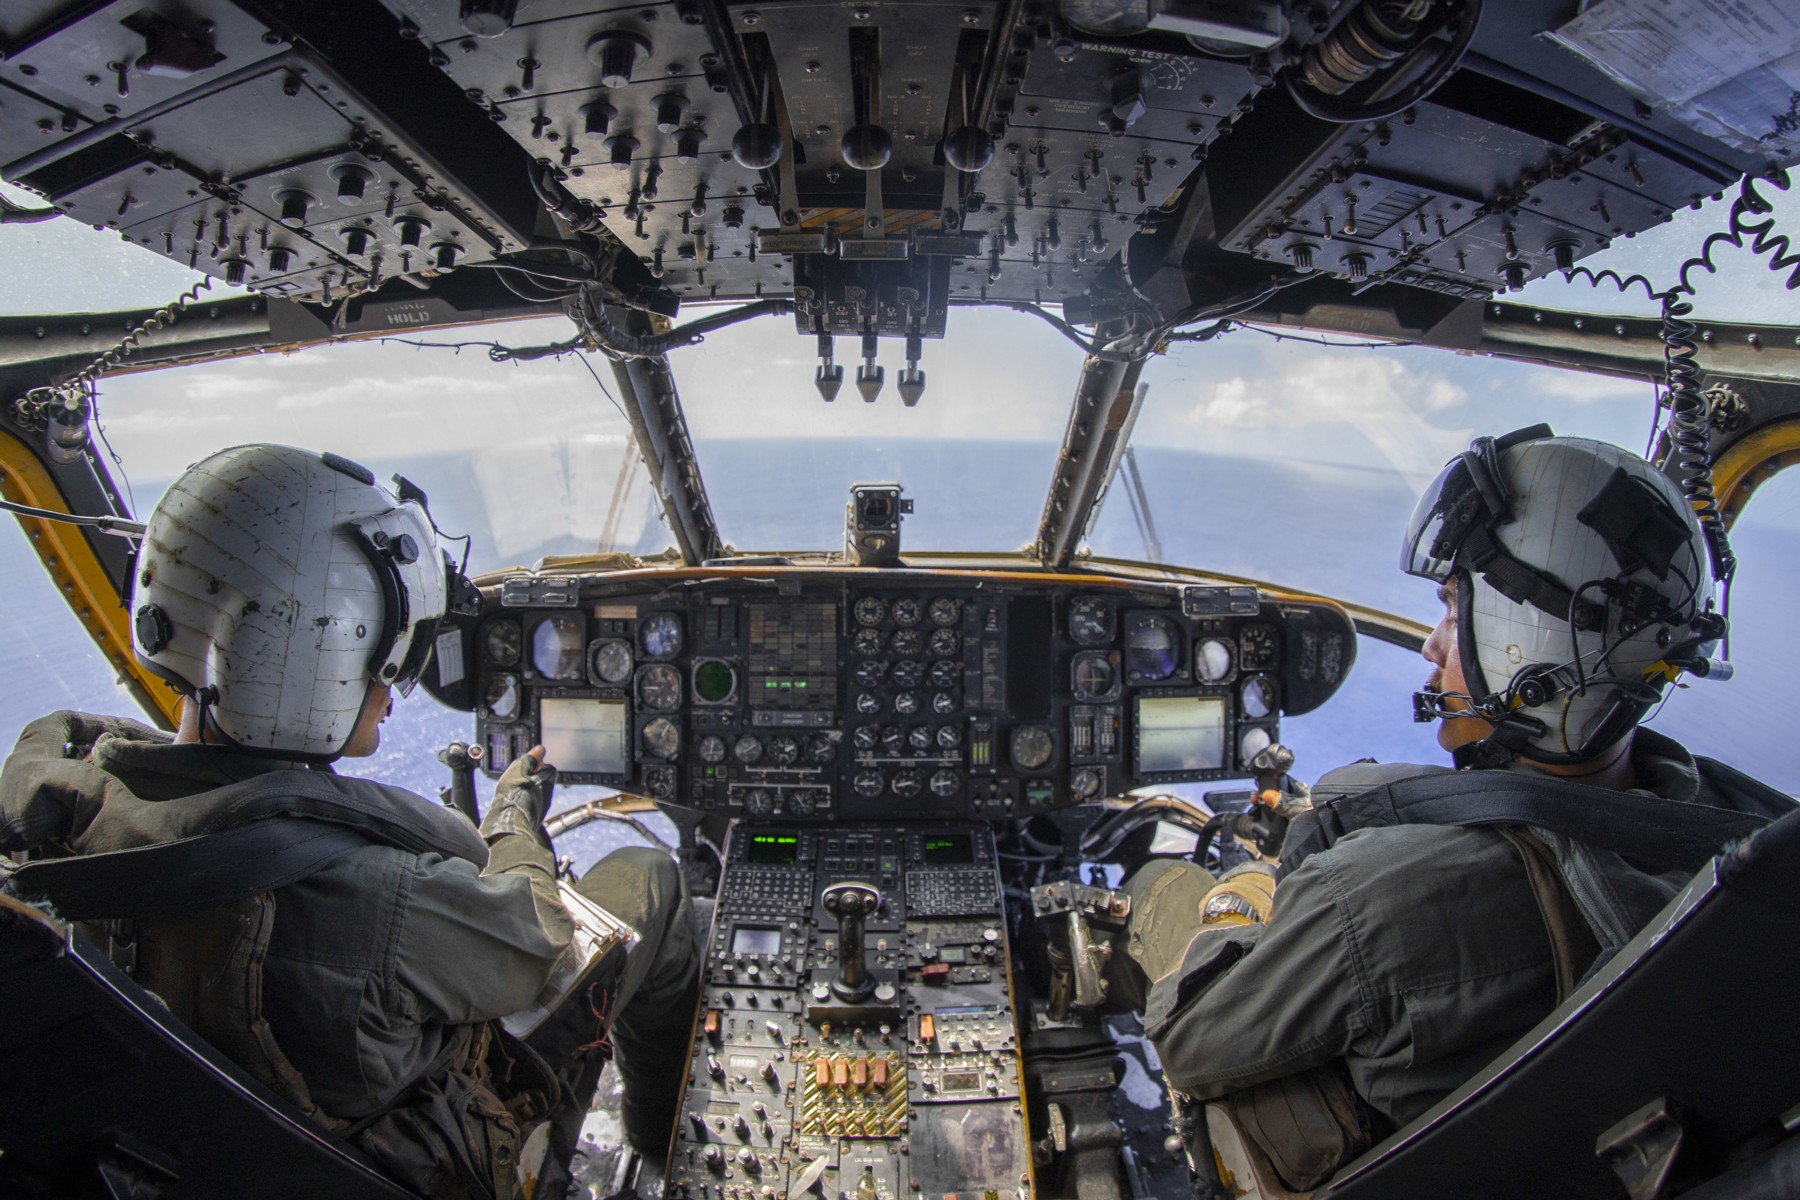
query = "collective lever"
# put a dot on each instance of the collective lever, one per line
(462, 759)
(851, 904)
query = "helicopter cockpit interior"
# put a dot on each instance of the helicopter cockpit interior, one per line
(891, 765)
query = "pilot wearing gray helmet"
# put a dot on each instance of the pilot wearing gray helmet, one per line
(1427, 917)
(350, 944)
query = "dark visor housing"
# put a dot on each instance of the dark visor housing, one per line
(1470, 493)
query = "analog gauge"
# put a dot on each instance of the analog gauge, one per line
(1256, 647)
(907, 643)
(1096, 675)
(1152, 647)
(870, 610)
(868, 642)
(1212, 660)
(909, 673)
(943, 703)
(610, 661)
(1091, 621)
(945, 643)
(747, 749)
(893, 738)
(557, 650)
(659, 635)
(660, 782)
(800, 801)
(1252, 742)
(712, 749)
(715, 682)
(662, 738)
(1032, 747)
(869, 673)
(906, 784)
(820, 749)
(949, 737)
(919, 737)
(906, 703)
(944, 783)
(946, 674)
(1258, 696)
(945, 611)
(759, 802)
(784, 751)
(867, 783)
(868, 703)
(502, 698)
(866, 737)
(907, 611)
(502, 640)
(1086, 782)
(659, 687)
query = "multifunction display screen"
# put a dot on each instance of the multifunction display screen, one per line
(792, 656)
(585, 736)
(1180, 733)
(777, 847)
(948, 848)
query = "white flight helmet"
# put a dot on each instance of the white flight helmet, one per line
(1583, 584)
(278, 585)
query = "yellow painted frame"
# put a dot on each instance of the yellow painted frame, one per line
(1752, 460)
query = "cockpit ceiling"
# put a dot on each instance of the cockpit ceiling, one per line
(879, 163)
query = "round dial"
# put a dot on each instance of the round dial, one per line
(784, 751)
(820, 749)
(949, 737)
(659, 635)
(556, 647)
(502, 640)
(1096, 675)
(893, 738)
(714, 682)
(1086, 782)
(659, 687)
(661, 781)
(1212, 660)
(867, 783)
(1252, 742)
(908, 673)
(945, 643)
(944, 783)
(662, 738)
(868, 703)
(1032, 747)
(1256, 647)
(946, 674)
(946, 611)
(502, 697)
(800, 801)
(1258, 696)
(1091, 621)
(906, 703)
(760, 802)
(919, 737)
(870, 610)
(907, 611)
(611, 662)
(868, 642)
(906, 783)
(866, 737)
(712, 749)
(869, 673)
(943, 703)
(747, 749)
(1152, 647)
(907, 643)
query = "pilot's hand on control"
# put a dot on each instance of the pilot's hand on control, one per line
(1244, 895)
(521, 797)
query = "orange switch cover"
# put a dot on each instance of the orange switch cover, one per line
(880, 1072)
(712, 1022)
(859, 1072)
(927, 1028)
(934, 973)
(822, 1072)
(840, 1073)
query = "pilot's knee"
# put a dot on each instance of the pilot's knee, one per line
(636, 884)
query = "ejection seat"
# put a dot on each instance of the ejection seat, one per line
(1679, 1060)
(108, 1096)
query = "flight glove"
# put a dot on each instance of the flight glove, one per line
(521, 798)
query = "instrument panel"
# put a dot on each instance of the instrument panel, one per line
(807, 695)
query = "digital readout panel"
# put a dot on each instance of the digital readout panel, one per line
(792, 656)
(1180, 733)
(584, 736)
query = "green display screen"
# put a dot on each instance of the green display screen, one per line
(949, 848)
(781, 849)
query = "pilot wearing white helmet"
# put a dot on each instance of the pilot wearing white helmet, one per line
(1427, 917)
(350, 944)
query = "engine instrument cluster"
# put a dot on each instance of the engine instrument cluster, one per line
(810, 695)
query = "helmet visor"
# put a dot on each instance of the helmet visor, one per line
(1450, 507)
